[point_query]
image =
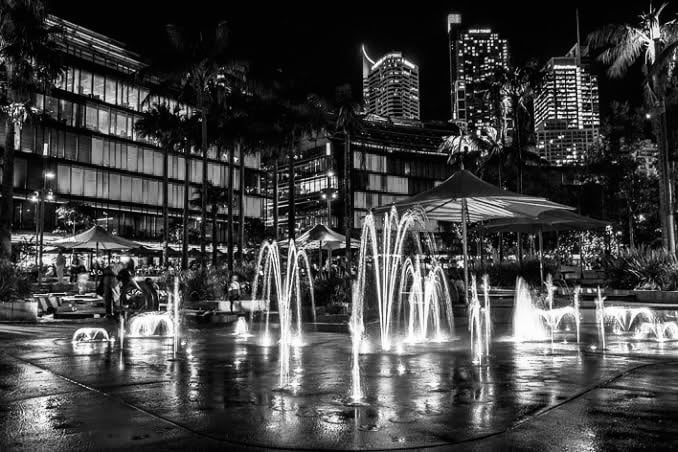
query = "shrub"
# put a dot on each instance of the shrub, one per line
(204, 284)
(14, 285)
(642, 268)
(330, 290)
(505, 274)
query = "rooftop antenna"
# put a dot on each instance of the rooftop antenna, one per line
(578, 51)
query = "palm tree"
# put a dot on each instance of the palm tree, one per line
(189, 131)
(272, 154)
(29, 63)
(302, 118)
(266, 132)
(349, 122)
(501, 109)
(467, 150)
(73, 215)
(215, 199)
(518, 87)
(163, 126)
(654, 43)
(195, 66)
(233, 126)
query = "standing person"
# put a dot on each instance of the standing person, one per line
(233, 290)
(108, 290)
(75, 268)
(60, 266)
(130, 266)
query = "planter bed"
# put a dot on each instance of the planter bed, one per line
(657, 296)
(19, 310)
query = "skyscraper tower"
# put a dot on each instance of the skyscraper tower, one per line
(457, 88)
(391, 86)
(566, 109)
(475, 55)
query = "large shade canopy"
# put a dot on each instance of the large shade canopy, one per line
(464, 198)
(548, 221)
(484, 201)
(96, 238)
(322, 236)
(322, 233)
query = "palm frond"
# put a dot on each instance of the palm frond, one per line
(625, 54)
(607, 36)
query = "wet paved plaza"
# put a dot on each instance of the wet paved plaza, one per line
(221, 393)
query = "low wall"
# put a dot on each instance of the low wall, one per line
(19, 310)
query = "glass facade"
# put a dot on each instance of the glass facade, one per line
(389, 162)
(88, 139)
(475, 56)
(391, 86)
(567, 113)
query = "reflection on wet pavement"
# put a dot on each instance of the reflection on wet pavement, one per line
(72, 396)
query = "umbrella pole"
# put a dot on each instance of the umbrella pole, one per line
(581, 255)
(520, 249)
(541, 257)
(320, 255)
(464, 232)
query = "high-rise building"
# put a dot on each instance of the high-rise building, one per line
(87, 141)
(391, 86)
(566, 109)
(475, 55)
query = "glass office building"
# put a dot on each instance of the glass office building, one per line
(475, 55)
(391, 86)
(567, 111)
(87, 139)
(391, 160)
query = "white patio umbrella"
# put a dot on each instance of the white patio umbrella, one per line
(465, 198)
(96, 238)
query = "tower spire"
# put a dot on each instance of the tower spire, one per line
(578, 52)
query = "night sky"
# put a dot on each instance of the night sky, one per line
(320, 43)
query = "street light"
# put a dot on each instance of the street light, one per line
(329, 194)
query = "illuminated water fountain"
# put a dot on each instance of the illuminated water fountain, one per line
(91, 335)
(356, 328)
(529, 319)
(641, 322)
(624, 318)
(600, 318)
(152, 324)
(480, 326)
(408, 292)
(527, 322)
(658, 330)
(553, 316)
(427, 296)
(285, 283)
(241, 329)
